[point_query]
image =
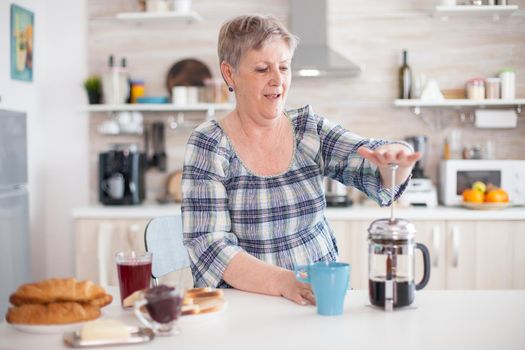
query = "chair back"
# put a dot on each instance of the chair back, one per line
(163, 237)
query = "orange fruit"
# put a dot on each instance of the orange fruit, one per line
(473, 196)
(497, 196)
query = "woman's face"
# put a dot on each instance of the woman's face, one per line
(262, 79)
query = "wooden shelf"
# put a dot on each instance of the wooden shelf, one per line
(458, 103)
(495, 11)
(159, 107)
(190, 16)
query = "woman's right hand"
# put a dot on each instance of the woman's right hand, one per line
(292, 289)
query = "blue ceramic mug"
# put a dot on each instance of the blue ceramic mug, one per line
(329, 282)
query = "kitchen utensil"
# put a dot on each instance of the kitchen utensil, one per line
(137, 335)
(159, 154)
(391, 249)
(188, 72)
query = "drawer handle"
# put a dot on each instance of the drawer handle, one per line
(104, 237)
(435, 246)
(455, 246)
(133, 231)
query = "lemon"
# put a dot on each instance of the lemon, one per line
(479, 186)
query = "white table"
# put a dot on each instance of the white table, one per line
(442, 320)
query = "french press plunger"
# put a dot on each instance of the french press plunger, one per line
(391, 260)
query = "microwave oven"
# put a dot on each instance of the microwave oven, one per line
(457, 175)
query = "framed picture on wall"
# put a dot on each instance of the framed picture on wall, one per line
(22, 36)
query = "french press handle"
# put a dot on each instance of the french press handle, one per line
(426, 266)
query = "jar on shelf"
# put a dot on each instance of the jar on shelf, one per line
(508, 83)
(476, 89)
(492, 88)
(137, 90)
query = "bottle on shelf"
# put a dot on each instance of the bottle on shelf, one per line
(107, 82)
(115, 82)
(124, 82)
(405, 78)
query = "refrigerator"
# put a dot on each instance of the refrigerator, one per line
(14, 206)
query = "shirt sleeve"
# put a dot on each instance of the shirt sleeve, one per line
(341, 161)
(205, 215)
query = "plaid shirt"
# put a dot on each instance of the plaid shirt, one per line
(279, 219)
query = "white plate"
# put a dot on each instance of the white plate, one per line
(47, 329)
(485, 206)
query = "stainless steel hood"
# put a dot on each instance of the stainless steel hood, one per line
(313, 57)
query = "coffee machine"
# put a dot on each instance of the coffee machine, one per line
(420, 190)
(121, 175)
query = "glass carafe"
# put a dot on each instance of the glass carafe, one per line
(391, 262)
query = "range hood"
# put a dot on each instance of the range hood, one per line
(313, 57)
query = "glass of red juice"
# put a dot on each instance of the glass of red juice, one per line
(134, 272)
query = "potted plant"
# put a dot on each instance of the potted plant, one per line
(93, 86)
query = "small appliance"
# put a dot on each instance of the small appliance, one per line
(121, 175)
(336, 193)
(457, 175)
(420, 190)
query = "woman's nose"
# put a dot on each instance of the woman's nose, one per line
(276, 78)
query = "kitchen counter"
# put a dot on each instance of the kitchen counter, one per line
(438, 320)
(351, 213)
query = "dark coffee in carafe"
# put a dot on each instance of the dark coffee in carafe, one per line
(404, 291)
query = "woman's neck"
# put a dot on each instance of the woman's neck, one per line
(256, 127)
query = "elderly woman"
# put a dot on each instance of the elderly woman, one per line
(253, 205)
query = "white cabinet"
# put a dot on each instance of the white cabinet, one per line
(353, 248)
(485, 255)
(97, 241)
(433, 235)
(481, 254)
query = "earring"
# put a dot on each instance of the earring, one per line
(230, 89)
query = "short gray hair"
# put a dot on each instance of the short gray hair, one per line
(250, 32)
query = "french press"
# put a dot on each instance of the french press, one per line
(391, 260)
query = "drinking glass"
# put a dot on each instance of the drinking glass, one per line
(159, 308)
(134, 272)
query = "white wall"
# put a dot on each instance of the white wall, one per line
(57, 132)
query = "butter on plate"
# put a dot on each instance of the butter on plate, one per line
(105, 330)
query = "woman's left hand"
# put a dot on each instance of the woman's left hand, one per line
(388, 154)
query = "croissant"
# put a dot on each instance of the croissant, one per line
(57, 290)
(102, 301)
(54, 313)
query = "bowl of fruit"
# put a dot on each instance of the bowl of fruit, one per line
(483, 196)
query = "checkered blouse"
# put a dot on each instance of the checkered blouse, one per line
(279, 219)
